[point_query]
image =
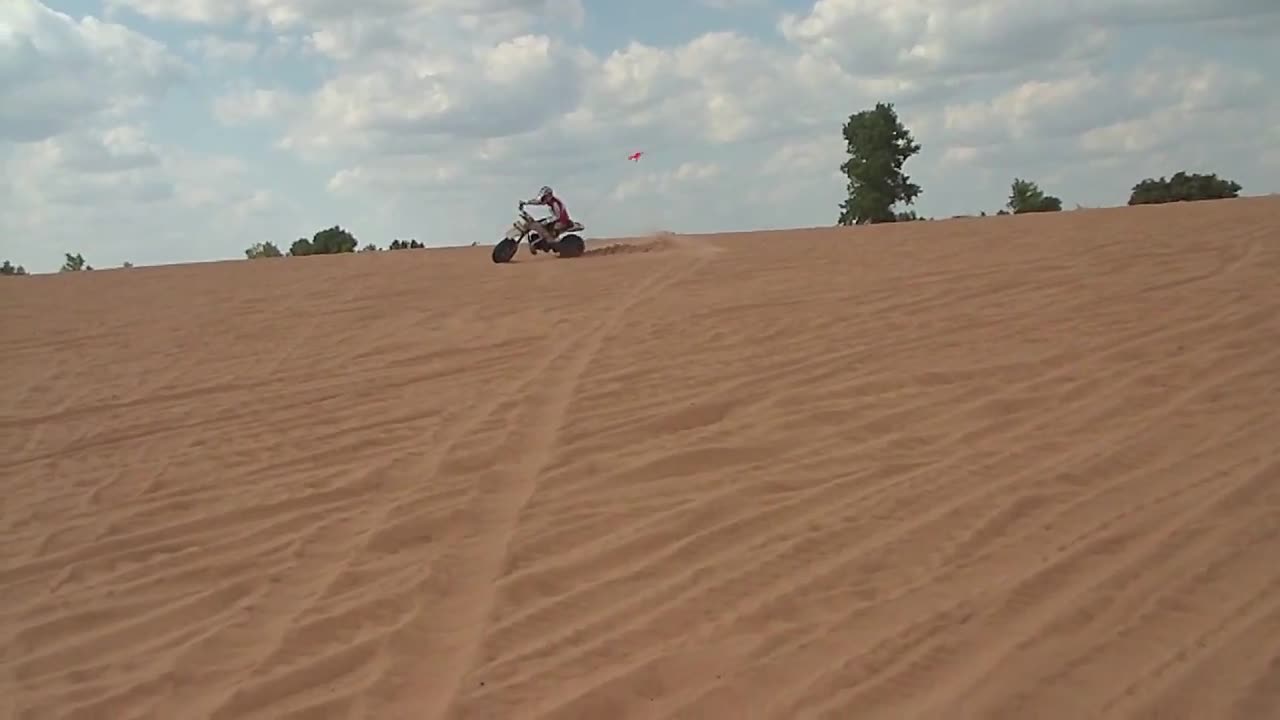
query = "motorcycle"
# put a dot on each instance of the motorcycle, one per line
(540, 238)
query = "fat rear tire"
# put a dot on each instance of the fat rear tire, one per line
(570, 246)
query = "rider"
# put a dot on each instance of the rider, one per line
(559, 220)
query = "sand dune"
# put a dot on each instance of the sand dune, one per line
(1009, 467)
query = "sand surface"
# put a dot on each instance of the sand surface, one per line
(1010, 467)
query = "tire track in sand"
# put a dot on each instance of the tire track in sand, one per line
(402, 518)
(502, 495)
(272, 682)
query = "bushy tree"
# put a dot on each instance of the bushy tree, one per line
(405, 245)
(8, 268)
(329, 241)
(369, 248)
(1183, 187)
(1027, 197)
(74, 263)
(262, 250)
(878, 145)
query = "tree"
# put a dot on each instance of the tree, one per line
(75, 263)
(403, 245)
(8, 268)
(262, 250)
(1027, 197)
(878, 145)
(1183, 187)
(369, 248)
(329, 241)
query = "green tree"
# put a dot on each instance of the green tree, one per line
(75, 263)
(1027, 197)
(405, 245)
(1183, 187)
(8, 268)
(369, 248)
(878, 145)
(262, 250)
(329, 241)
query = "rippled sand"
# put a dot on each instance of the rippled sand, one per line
(1009, 467)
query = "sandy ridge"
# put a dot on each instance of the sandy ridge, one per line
(999, 467)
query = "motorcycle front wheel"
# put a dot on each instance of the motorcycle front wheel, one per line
(505, 250)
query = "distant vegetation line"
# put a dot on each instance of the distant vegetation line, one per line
(878, 145)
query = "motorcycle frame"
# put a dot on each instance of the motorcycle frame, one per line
(531, 224)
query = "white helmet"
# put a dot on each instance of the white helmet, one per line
(544, 192)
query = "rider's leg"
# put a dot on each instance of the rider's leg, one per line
(544, 238)
(554, 228)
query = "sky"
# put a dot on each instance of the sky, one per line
(161, 131)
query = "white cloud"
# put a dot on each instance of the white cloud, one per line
(217, 49)
(128, 196)
(248, 105)
(289, 14)
(684, 176)
(455, 121)
(816, 157)
(987, 36)
(1168, 97)
(438, 113)
(878, 37)
(532, 108)
(57, 73)
(373, 107)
